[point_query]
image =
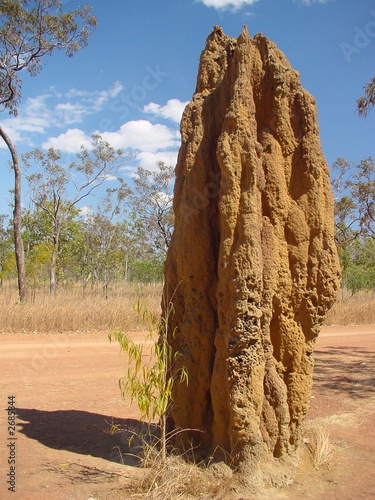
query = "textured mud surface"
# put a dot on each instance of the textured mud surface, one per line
(252, 265)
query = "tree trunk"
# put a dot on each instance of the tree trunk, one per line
(18, 243)
(54, 257)
(52, 274)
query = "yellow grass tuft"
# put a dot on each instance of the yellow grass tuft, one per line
(180, 479)
(318, 442)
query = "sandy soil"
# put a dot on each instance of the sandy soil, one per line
(66, 393)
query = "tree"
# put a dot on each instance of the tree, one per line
(147, 271)
(367, 102)
(152, 204)
(57, 190)
(37, 234)
(358, 263)
(105, 253)
(30, 31)
(6, 246)
(354, 189)
(150, 384)
(17, 209)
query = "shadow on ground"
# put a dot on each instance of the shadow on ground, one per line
(82, 432)
(345, 370)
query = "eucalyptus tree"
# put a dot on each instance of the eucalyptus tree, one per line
(107, 243)
(29, 31)
(38, 237)
(354, 188)
(6, 245)
(367, 102)
(57, 189)
(152, 201)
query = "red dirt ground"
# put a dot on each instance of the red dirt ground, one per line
(66, 393)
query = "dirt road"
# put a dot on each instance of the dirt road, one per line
(65, 389)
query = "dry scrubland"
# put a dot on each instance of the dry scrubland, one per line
(358, 309)
(71, 310)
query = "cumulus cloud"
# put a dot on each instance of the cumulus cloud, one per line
(55, 109)
(69, 142)
(311, 2)
(93, 101)
(143, 136)
(34, 118)
(228, 4)
(236, 5)
(149, 160)
(70, 113)
(86, 211)
(172, 110)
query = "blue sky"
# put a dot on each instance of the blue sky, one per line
(132, 81)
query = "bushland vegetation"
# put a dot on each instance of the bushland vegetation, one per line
(111, 253)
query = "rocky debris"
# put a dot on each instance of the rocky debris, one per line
(252, 267)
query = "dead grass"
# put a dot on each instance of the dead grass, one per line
(358, 309)
(72, 310)
(319, 444)
(178, 479)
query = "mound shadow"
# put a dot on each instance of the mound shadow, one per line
(82, 432)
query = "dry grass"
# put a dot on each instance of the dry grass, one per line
(72, 310)
(317, 436)
(319, 444)
(178, 479)
(358, 309)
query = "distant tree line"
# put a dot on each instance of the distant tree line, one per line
(123, 237)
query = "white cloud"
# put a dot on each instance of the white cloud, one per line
(109, 177)
(144, 136)
(55, 109)
(69, 142)
(86, 211)
(236, 5)
(149, 160)
(33, 118)
(70, 113)
(172, 110)
(311, 2)
(228, 4)
(129, 170)
(151, 141)
(82, 102)
(93, 101)
(115, 90)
